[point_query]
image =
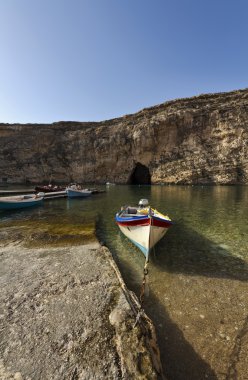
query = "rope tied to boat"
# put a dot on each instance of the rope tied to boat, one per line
(144, 289)
(144, 286)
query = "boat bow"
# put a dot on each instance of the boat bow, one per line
(143, 225)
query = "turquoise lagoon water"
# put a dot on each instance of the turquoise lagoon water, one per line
(207, 243)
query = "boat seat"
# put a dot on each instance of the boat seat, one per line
(132, 210)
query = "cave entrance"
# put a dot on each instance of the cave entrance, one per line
(140, 175)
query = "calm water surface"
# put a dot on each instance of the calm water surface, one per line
(215, 215)
(207, 243)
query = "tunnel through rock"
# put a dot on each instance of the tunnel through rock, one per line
(140, 175)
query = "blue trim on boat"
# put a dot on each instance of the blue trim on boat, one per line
(130, 219)
(140, 217)
(143, 249)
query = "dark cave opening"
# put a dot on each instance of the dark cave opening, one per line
(140, 175)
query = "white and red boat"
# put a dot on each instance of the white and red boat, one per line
(143, 225)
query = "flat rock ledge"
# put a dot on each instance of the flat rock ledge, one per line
(67, 314)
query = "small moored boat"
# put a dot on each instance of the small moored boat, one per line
(49, 188)
(20, 201)
(75, 191)
(143, 225)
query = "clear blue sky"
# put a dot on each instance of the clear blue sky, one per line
(91, 60)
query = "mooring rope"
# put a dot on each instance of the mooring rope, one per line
(144, 284)
(146, 325)
(144, 287)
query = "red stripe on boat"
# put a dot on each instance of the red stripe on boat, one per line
(136, 222)
(145, 222)
(161, 223)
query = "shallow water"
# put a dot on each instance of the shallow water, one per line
(216, 215)
(198, 273)
(210, 229)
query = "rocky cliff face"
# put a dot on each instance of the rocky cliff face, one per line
(199, 140)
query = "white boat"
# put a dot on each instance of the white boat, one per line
(143, 225)
(75, 191)
(21, 201)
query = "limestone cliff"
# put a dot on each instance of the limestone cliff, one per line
(199, 140)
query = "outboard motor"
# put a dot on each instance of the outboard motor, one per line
(143, 203)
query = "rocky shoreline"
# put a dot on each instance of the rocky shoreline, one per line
(66, 314)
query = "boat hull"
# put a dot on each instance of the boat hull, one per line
(78, 193)
(144, 237)
(14, 203)
(144, 232)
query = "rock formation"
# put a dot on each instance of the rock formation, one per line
(199, 140)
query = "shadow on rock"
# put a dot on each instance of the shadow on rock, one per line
(179, 359)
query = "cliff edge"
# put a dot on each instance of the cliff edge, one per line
(198, 140)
